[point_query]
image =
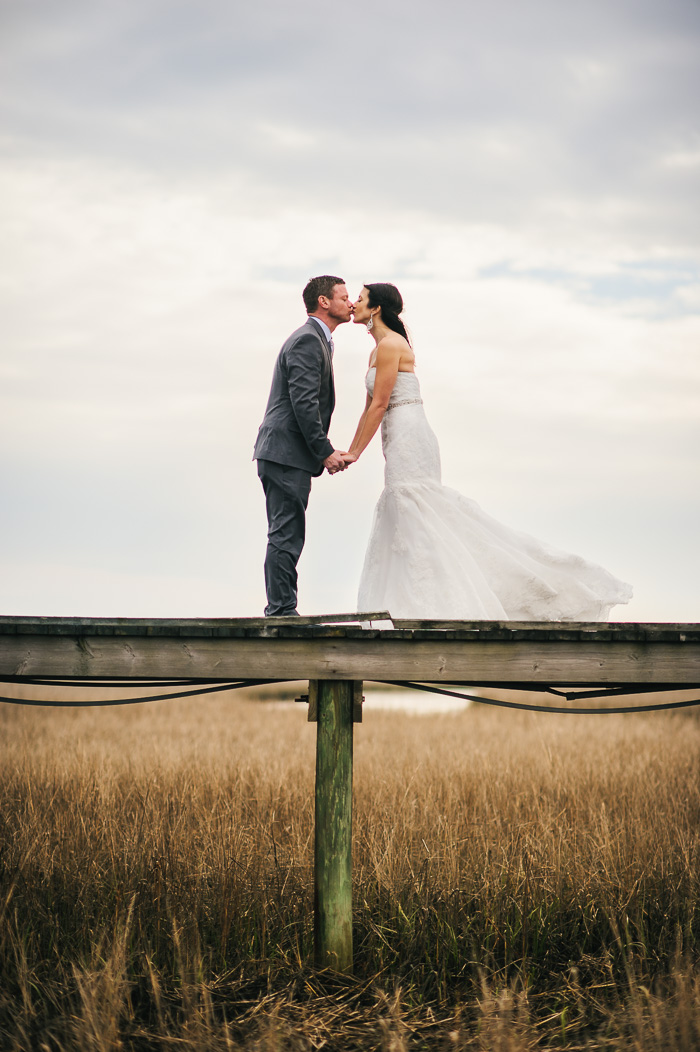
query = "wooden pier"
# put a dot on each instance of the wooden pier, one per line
(480, 653)
(336, 656)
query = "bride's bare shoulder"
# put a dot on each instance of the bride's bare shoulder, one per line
(397, 347)
(394, 343)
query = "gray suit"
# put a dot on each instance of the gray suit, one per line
(291, 446)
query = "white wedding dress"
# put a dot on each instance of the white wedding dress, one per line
(434, 554)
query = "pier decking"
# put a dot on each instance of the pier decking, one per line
(481, 653)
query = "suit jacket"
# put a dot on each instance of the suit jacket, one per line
(294, 430)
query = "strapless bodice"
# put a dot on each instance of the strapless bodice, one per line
(406, 389)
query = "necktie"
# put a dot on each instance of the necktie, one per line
(331, 346)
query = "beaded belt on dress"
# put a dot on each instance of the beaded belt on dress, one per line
(405, 401)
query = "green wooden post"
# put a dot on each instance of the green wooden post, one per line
(333, 842)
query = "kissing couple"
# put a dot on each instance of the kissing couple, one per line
(432, 553)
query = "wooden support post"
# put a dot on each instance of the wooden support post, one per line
(333, 840)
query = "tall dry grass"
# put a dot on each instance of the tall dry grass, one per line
(521, 881)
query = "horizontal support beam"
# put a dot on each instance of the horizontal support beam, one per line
(353, 655)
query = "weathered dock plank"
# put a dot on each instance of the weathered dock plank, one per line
(478, 653)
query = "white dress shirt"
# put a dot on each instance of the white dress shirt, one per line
(325, 330)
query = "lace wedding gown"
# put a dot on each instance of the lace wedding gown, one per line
(434, 553)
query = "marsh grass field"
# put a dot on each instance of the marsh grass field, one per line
(521, 881)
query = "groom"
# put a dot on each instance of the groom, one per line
(292, 444)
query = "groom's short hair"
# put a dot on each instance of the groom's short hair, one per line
(321, 286)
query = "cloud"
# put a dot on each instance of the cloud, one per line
(542, 116)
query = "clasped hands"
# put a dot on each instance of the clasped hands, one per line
(339, 461)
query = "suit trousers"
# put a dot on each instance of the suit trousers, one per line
(286, 497)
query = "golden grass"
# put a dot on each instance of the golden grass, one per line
(521, 881)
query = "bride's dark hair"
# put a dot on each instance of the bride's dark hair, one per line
(388, 297)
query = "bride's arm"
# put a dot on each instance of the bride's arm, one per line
(388, 358)
(362, 420)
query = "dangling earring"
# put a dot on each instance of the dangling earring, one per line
(370, 323)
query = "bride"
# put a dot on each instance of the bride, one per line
(432, 552)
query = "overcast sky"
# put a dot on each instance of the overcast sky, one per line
(174, 172)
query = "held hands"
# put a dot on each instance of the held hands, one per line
(339, 461)
(334, 462)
